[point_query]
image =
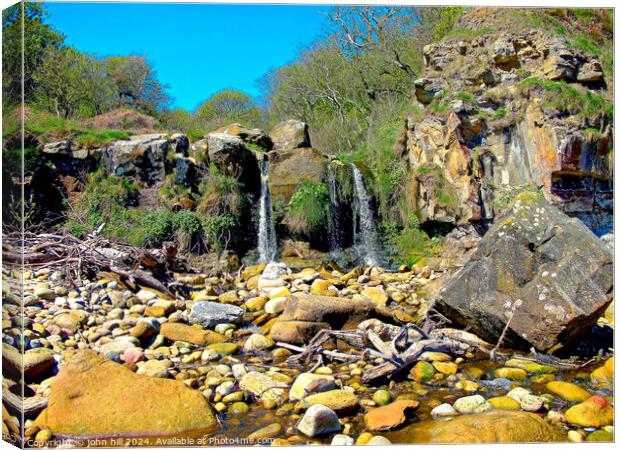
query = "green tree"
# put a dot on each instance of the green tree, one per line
(72, 84)
(228, 106)
(38, 38)
(137, 84)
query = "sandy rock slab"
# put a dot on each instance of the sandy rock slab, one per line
(94, 397)
(489, 427)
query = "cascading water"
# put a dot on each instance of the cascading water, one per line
(366, 242)
(267, 244)
(335, 232)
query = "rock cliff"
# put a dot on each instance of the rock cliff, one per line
(504, 110)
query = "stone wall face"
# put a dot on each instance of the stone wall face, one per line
(484, 130)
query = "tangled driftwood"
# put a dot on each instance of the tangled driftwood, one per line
(95, 254)
(405, 347)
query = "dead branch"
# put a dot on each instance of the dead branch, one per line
(93, 253)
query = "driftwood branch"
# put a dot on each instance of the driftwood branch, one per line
(94, 253)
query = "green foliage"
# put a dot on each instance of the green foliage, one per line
(466, 97)
(149, 228)
(568, 98)
(437, 23)
(186, 221)
(423, 170)
(12, 160)
(309, 209)
(412, 244)
(39, 38)
(73, 84)
(440, 103)
(136, 84)
(39, 123)
(99, 138)
(467, 33)
(500, 113)
(104, 200)
(219, 229)
(222, 108)
(584, 44)
(68, 83)
(587, 29)
(255, 147)
(221, 194)
(340, 87)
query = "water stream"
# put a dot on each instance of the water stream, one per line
(267, 243)
(365, 237)
(335, 231)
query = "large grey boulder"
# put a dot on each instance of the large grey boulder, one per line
(208, 314)
(231, 157)
(290, 134)
(141, 157)
(547, 269)
(185, 172)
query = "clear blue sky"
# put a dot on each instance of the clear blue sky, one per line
(196, 49)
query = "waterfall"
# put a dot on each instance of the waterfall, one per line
(335, 233)
(365, 237)
(267, 245)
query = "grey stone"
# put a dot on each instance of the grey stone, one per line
(208, 314)
(548, 270)
(319, 420)
(58, 148)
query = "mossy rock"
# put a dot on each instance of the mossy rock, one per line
(568, 391)
(224, 348)
(504, 403)
(422, 372)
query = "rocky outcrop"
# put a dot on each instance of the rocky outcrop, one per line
(250, 135)
(544, 274)
(490, 124)
(231, 157)
(93, 397)
(288, 168)
(290, 134)
(141, 158)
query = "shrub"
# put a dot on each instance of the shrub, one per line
(309, 209)
(12, 160)
(150, 229)
(104, 200)
(221, 194)
(219, 229)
